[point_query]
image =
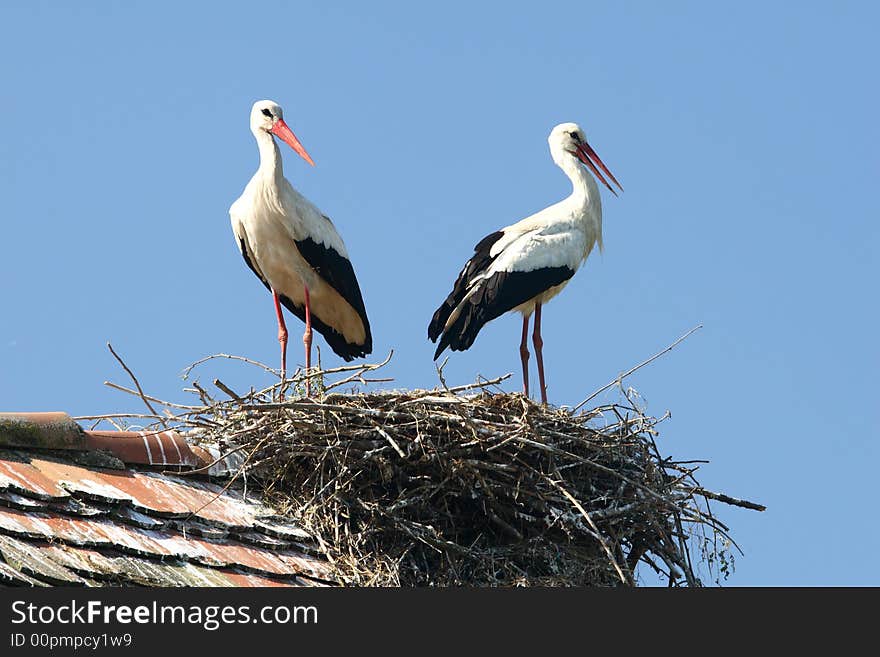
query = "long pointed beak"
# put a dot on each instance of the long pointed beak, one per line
(587, 155)
(286, 135)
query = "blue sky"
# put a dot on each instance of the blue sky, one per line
(744, 134)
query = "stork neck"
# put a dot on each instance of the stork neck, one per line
(584, 188)
(270, 155)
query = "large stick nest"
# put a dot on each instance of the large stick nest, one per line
(463, 486)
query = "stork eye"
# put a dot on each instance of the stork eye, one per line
(575, 136)
(267, 112)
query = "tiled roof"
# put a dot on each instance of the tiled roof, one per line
(92, 508)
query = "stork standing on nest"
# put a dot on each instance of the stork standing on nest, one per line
(523, 266)
(295, 250)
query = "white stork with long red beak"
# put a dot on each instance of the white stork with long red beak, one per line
(295, 251)
(523, 266)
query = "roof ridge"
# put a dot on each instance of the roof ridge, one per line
(57, 430)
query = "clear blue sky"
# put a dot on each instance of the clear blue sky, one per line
(745, 135)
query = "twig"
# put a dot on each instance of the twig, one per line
(207, 400)
(229, 391)
(136, 383)
(391, 441)
(116, 386)
(348, 368)
(480, 384)
(726, 499)
(107, 416)
(621, 377)
(358, 376)
(257, 363)
(440, 373)
(602, 541)
(206, 468)
(231, 481)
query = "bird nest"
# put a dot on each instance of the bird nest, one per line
(468, 485)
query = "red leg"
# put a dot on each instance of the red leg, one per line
(307, 341)
(524, 355)
(282, 334)
(539, 354)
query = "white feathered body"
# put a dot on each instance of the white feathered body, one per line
(562, 235)
(291, 245)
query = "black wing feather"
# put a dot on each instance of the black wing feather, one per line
(499, 293)
(340, 279)
(478, 262)
(243, 247)
(337, 272)
(344, 349)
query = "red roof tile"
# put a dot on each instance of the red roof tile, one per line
(22, 477)
(43, 430)
(146, 447)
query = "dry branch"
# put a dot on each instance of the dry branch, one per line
(619, 380)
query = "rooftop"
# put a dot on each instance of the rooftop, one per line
(111, 508)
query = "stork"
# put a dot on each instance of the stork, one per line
(295, 250)
(523, 266)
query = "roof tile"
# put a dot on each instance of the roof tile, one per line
(23, 558)
(75, 507)
(18, 475)
(41, 430)
(116, 569)
(19, 501)
(249, 579)
(138, 519)
(146, 447)
(9, 576)
(89, 483)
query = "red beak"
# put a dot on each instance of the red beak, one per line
(286, 135)
(587, 155)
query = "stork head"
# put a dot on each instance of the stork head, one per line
(267, 116)
(567, 140)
